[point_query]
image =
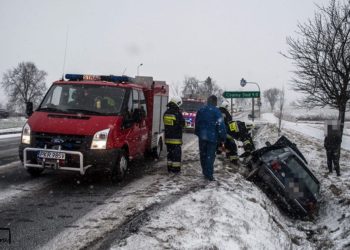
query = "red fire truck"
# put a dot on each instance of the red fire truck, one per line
(89, 121)
(189, 109)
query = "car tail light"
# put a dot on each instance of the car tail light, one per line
(276, 165)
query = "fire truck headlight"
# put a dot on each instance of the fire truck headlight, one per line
(26, 134)
(99, 141)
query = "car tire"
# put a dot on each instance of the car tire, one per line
(35, 172)
(119, 167)
(156, 152)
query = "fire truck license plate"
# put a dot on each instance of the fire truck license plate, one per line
(52, 155)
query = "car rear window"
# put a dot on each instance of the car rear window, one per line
(299, 171)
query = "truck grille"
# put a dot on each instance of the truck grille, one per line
(67, 142)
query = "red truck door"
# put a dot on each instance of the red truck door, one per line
(144, 130)
(137, 134)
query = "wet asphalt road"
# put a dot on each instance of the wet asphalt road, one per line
(9, 150)
(37, 209)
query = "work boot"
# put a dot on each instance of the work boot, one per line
(211, 178)
(235, 161)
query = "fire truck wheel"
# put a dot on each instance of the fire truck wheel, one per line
(35, 172)
(120, 167)
(158, 150)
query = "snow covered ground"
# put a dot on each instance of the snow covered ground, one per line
(162, 211)
(11, 127)
(233, 213)
(308, 129)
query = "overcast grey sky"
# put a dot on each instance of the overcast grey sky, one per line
(224, 39)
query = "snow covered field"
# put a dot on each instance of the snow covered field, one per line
(308, 129)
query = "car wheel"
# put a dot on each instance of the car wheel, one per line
(158, 150)
(120, 167)
(35, 172)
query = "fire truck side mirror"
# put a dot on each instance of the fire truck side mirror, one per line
(29, 108)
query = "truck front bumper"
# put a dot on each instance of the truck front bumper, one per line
(78, 161)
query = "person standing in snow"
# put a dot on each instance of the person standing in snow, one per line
(210, 129)
(332, 143)
(173, 124)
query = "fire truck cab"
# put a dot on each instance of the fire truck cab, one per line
(89, 121)
(189, 109)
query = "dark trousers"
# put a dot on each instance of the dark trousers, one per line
(231, 146)
(174, 157)
(207, 157)
(248, 143)
(333, 159)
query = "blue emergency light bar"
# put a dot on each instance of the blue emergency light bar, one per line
(110, 78)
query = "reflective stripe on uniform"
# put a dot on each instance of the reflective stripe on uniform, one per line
(246, 142)
(176, 164)
(249, 126)
(173, 141)
(170, 163)
(230, 137)
(169, 119)
(233, 157)
(233, 126)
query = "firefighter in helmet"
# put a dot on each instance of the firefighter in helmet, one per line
(230, 144)
(174, 124)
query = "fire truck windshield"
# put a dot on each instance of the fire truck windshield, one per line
(84, 99)
(191, 105)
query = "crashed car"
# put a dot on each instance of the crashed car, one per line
(282, 171)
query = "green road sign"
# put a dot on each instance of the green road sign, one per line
(241, 94)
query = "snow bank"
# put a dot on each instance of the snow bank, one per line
(307, 129)
(231, 215)
(187, 212)
(234, 214)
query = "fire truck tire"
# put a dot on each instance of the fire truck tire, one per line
(119, 167)
(35, 172)
(158, 150)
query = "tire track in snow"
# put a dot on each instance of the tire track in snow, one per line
(128, 206)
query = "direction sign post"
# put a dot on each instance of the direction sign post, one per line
(243, 94)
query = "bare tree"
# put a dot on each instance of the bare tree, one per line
(272, 95)
(321, 55)
(281, 101)
(25, 83)
(209, 87)
(191, 87)
(175, 87)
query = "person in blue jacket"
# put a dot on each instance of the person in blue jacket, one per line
(210, 129)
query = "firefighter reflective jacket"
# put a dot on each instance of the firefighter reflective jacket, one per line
(173, 124)
(238, 130)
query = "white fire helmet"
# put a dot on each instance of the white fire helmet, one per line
(225, 104)
(177, 100)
